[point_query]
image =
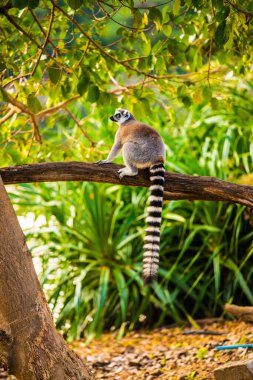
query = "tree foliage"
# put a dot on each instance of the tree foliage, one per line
(73, 62)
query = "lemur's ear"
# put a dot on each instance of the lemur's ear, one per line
(125, 113)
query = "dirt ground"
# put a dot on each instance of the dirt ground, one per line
(166, 353)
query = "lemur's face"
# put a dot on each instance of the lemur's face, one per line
(120, 116)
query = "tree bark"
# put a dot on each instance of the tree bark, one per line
(245, 313)
(235, 371)
(30, 346)
(177, 186)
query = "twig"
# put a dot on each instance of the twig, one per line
(238, 9)
(117, 22)
(52, 110)
(46, 40)
(73, 117)
(18, 27)
(7, 116)
(145, 7)
(41, 28)
(83, 55)
(16, 78)
(108, 15)
(22, 107)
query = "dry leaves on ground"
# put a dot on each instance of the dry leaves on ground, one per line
(165, 353)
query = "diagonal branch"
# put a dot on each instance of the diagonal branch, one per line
(23, 108)
(7, 116)
(52, 110)
(78, 123)
(177, 186)
(41, 28)
(46, 40)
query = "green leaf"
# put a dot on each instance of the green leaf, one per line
(33, 3)
(93, 93)
(146, 47)
(54, 73)
(167, 30)
(220, 34)
(83, 84)
(207, 93)
(20, 4)
(34, 103)
(176, 7)
(122, 288)
(75, 4)
(222, 14)
(218, 4)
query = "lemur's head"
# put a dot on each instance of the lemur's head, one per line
(121, 116)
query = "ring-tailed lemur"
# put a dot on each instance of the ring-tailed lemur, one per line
(142, 147)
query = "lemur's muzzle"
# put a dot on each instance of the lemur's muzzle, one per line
(112, 118)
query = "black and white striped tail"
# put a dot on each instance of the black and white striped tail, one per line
(152, 238)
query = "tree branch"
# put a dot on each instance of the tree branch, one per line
(41, 28)
(78, 123)
(23, 108)
(46, 40)
(177, 186)
(7, 116)
(58, 107)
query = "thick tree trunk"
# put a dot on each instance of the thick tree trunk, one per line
(30, 346)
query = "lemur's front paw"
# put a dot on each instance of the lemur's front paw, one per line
(102, 162)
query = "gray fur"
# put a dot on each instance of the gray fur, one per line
(142, 147)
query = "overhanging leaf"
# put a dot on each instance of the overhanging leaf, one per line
(54, 73)
(33, 3)
(83, 84)
(75, 4)
(93, 93)
(33, 103)
(20, 4)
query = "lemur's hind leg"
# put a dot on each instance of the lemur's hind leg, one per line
(128, 170)
(129, 160)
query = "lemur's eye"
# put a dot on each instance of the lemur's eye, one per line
(117, 115)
